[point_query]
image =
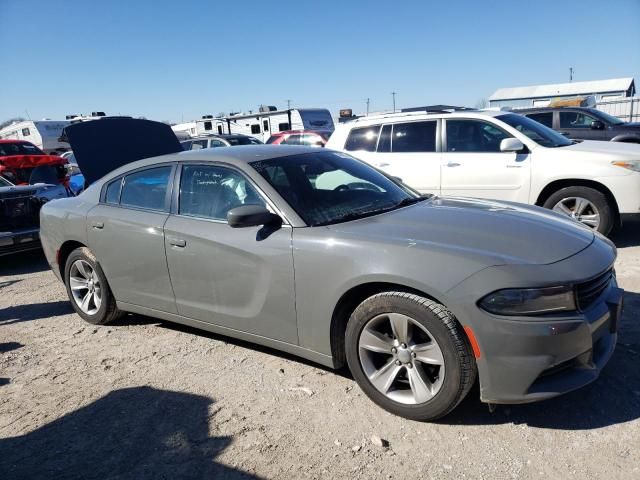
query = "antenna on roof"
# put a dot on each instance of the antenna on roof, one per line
(570, 74)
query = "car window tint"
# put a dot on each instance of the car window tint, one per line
(364, 138)
(113, 192)
(414, 137)
(474, 136)
(209, 191)
(146, 189)
(384, 144)
(575, 120)
(545, 118)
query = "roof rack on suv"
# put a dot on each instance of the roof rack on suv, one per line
(417, 111)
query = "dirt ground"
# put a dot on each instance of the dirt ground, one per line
(145, 399)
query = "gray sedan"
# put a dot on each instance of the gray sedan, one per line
(320, 255)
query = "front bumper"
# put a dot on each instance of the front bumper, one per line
(526, 359)
(19, 241)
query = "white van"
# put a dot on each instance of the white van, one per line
(500, 155)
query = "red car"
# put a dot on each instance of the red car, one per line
(300, 137)
(19, 158)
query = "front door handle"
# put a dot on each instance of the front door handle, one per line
(97, 225)
(453, 164)
(382, 165)
(178, 242)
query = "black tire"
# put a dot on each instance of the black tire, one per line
(108, 311)
(605, 207)
(460, 366)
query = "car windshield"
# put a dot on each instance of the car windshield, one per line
(7, 149)
(535, 131)
(610, 119)
(243, 141)
(331, 187)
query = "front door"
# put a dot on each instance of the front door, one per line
(125, 233)
(226, 276)
(474, 166)
(578, 124)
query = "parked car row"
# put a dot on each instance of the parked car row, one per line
(319, 254)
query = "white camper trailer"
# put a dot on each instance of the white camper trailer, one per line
(44, 134)
(267, 121)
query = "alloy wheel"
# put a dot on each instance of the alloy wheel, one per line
(85, 287)
(401, 358)
(579, 209)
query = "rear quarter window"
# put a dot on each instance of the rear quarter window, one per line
(112, 194)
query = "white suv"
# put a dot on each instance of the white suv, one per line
(500, 155)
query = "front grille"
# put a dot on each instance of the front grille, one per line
(588, 292)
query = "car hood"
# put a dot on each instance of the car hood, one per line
(506, 233)
(101, 146)
(612, 150)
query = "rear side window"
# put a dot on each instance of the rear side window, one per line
(545, 118)
(113, 192)
(364, 138)
(146, 189)
(414, 137)
(292, 140)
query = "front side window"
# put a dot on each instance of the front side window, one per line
(19, 148)
(474, 136)
(326, 187)
(545, 118)
(576, 120)
(146, 189)
(209, 191)
(217, 143)
(364, 139)
(414, 137)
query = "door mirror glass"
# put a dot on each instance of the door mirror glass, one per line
(251, 216)
(511, 145)
(597, 125)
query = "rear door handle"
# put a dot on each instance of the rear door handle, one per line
(97, 225)
(453, 164)
(178, 242)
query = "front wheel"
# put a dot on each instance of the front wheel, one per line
(586, 205)
(88, 289)
(409, 355)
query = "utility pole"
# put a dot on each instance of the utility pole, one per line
(288, 104)
(570, 74)
(367, 107)
(393, 94)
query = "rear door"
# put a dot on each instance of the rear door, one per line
(125, 232)
(474, 166)
(407, 150)
(233, 277)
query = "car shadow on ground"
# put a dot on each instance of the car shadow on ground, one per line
(137, 433)
(9, 346)
(34, 311)
(23, 263)
(613, 398)
(628, 235)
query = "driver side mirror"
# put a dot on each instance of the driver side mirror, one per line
(252, 216)
(597, 125)
(511, 145)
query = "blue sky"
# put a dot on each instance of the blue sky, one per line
(169, 60)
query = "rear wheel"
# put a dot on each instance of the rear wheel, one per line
(88, 289)
(409, 355)
(586, 205)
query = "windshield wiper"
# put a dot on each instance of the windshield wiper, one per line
(367, 213)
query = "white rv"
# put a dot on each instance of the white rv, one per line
(43, 134)
(267, 121)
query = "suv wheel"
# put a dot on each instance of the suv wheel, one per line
(88, 289)
(586, 205)
(409, 355)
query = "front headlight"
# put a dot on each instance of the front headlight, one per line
(530, 301)
(633, 165)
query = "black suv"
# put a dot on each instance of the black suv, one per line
(585, 123)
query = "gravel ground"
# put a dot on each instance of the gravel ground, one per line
(149, 399)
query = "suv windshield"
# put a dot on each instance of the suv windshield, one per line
(331, 187)
(535, 131)
(610, 119)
